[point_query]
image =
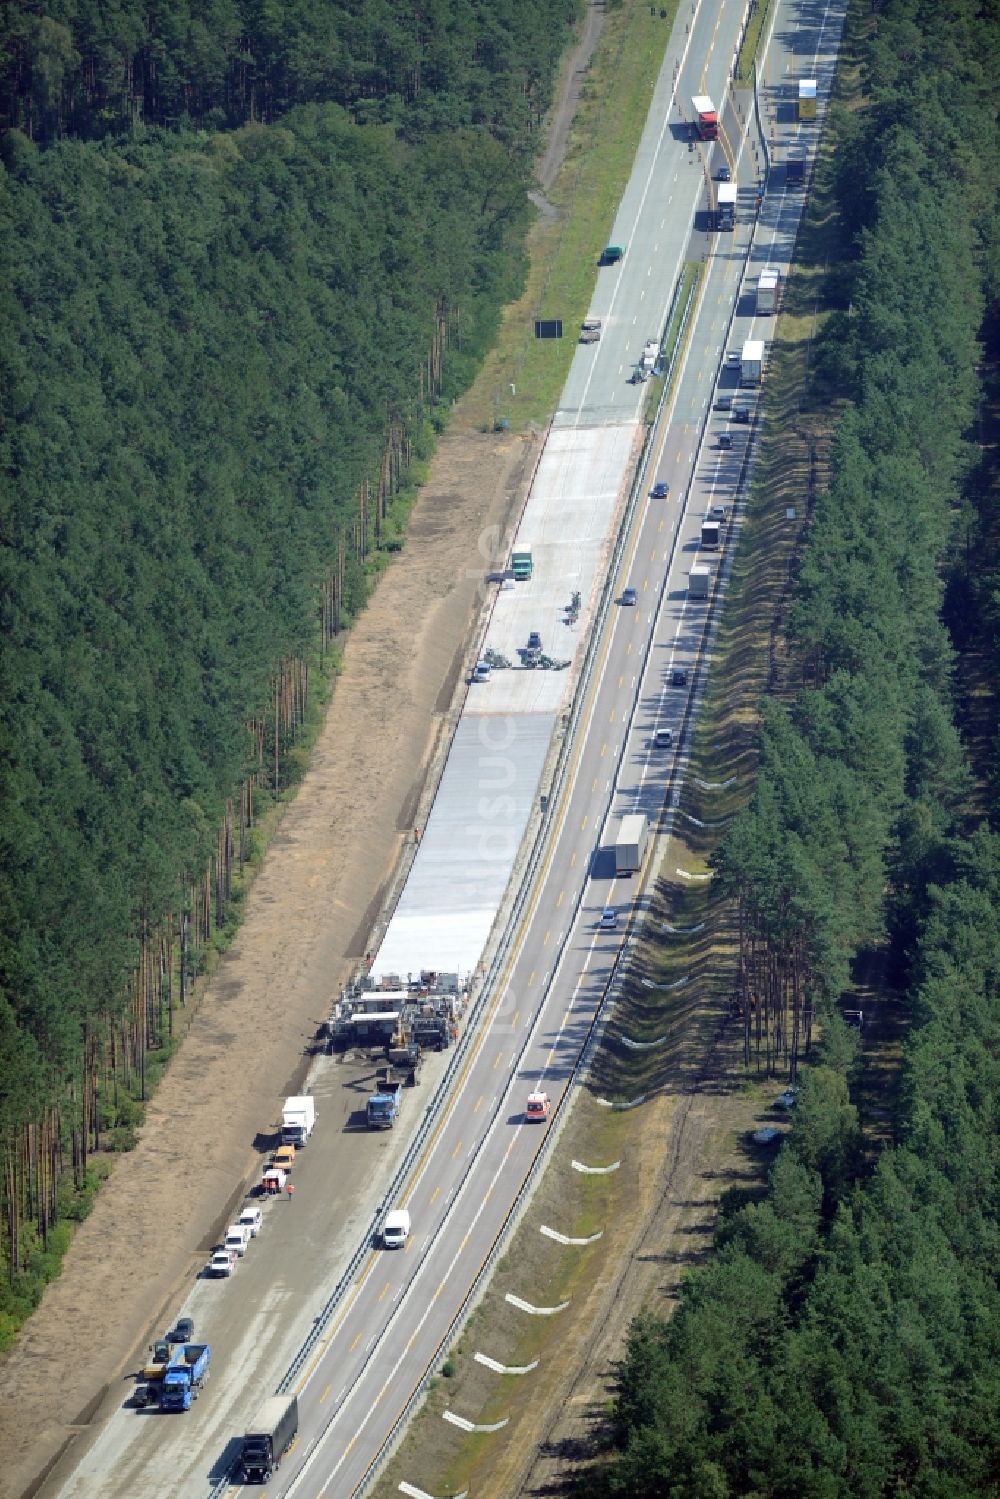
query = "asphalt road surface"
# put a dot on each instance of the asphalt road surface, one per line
(397, 1315)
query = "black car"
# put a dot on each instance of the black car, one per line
(660, 491)
(143, 1395)
(679, 677)
(722, 175)
(183, 1332)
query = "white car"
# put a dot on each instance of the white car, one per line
(251, 1218)
(222, 1263)
(396, 1229)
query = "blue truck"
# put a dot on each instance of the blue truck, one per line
(183, 1379)
(383, 1106)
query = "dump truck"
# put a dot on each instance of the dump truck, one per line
(383, 1107)
(630, 845)
(706, 120)
(699, 582)
(752, 362)
(184, 1379)
(725, 205)
(521, 564)
(767, 289)
(711, 535)
(807, 98)
(298, 1119)
(268, 1437)
(162, 1355)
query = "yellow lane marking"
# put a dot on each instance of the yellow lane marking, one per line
(325, 1393)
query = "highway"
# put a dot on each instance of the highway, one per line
(399, 1312)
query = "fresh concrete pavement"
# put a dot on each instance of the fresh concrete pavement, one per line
(390, 1324)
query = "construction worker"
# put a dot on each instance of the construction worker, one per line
(290, 1189)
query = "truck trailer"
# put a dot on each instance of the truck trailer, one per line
(269, 1437)
(630, 845)
(298, 1119)
(706, 120)
(767, 289)
(725, 206)
(383, 1106)
(184, 1379)
(752, 362)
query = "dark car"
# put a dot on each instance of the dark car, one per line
(183, 1332)
(629, 596)
(722, 175)
(725, 439)
(679, 677)
(143, 1395)
(660, 491)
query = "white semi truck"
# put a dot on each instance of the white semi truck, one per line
(630, 845)
(752, 362)
(767, 289)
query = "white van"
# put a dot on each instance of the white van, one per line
(237, 1238)
(396, 1229)
(251, 1219)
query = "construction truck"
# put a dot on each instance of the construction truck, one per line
(521, 563)
(706, 121)
(163, 1355)
(382, 1109)
(184, 1379)
(298, 1118)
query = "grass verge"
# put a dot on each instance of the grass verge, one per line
(564, 244)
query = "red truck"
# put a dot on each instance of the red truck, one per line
(706, 123)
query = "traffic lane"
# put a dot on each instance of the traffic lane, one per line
(509, 1147)
(619, 685)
